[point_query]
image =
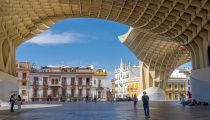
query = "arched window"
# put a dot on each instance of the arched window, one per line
(52, 81)
(56, 81)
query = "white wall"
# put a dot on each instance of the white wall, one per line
(8, 86)
(200, 83)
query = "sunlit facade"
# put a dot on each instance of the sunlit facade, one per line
(68, 83)
(132, 83)
(132, 86)
(126, 81)
(22, 73)
(99, 88)
(121, 76)
(178, 84)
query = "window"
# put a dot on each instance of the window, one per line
(63, 81)
(99, 83)
(176, 87)
(55, 92)
(170, 96)
(24, 92)
(182, 86)
(80, 92)
(24, 76)
(44, 92)
(35, 93)
(99, 94)
(63, 92)
(72, 92)
(36, 80)
(56, 81)
(169, 86)
(23, 83)
(53, 81)
(94, 82)
(80, 81)
(72, 80)
(87, 81)
(45, 80)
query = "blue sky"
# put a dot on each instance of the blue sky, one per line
(78, 42)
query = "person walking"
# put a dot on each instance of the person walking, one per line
(12, 102)
(19, 102)
(145, 100)
(95, 99)
(189, 96)
(112, 99)
(182, 100)
(50, 99)
(135, 100)
(86, 99)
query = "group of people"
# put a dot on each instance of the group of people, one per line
(15, 100)
(145, 100)
(87, 99)
(191, 101)
(49, 99)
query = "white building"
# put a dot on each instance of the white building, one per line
(68, 83)
(99, 88)
(122, 74)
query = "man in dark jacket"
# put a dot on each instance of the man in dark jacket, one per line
(145, 100)
(12, 102)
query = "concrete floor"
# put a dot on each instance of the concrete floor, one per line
(106, 111)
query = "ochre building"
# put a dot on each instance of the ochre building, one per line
(178, 83)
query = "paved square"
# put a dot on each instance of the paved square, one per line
(107, 111)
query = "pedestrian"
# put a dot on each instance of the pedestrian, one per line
(12, 102)
(95, 99)
(145, 100)
(135, 100)
(86, 99)
(112, 99)
(182, 100)
(50, 99)
(19, 102)
(189, 94)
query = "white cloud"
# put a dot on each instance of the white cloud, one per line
(50, 38)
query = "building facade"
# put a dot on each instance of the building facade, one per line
(178, 84)
(113, 87)
(99, 88)
(22, 73)
(126, 81)
(68, 83)
(121, 75)
(132, 84)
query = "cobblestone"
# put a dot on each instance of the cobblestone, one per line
(107, 111)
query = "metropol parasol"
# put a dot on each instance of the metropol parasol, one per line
(163, 34)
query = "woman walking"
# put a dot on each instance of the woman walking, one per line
(19, 102)
(182, 100)
(135, 100)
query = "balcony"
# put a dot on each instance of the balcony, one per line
(23, 79)
(35, 83)
(55, 84)
(64, 84)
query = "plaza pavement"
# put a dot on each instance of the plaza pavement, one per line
(106, 111)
